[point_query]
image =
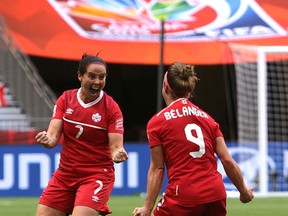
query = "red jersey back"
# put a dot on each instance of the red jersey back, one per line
(85, 130)
(187, 135)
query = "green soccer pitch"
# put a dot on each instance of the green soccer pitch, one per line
(124, 205)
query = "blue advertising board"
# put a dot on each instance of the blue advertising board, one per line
(25, 170)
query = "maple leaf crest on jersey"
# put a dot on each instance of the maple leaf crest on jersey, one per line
(96, 117)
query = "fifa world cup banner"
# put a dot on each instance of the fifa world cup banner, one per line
(129, 31)
(26, 170)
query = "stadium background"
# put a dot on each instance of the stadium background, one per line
(134, 87)
(132, 69)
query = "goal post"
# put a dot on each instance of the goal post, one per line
(262, 112)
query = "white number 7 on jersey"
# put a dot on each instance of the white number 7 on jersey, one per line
(198, 140)
(80, 131)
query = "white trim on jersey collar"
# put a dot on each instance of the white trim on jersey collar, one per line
(92, 102)
(173, 102)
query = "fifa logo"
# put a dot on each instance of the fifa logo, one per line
(192, 20)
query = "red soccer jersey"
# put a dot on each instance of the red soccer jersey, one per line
(85, 130)
(187, 135)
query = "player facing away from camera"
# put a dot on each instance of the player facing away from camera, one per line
(184, 138)
(91, 123)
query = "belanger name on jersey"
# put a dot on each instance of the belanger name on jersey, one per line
(186, 111)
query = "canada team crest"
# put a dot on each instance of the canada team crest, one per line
(189, 20)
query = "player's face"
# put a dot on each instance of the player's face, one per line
(92, 82)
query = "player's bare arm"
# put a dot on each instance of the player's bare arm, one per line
(50, 138)
(233, 171)
(154, 182)
(118, 152)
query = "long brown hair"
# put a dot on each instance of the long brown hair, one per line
(182, 79)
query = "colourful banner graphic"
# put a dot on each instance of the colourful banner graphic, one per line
(128, 31)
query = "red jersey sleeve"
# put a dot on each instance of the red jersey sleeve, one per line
(58, 110)
(116, 122)
(153, 131)
(218, 132)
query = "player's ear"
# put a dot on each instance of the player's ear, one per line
(166, 88)
(79, 76)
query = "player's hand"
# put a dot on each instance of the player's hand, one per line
(247, 196)
(141, 212)
(120, 156)
(43, 139)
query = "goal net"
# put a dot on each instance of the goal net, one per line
(262, 115)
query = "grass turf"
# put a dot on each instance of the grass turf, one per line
(124, 205)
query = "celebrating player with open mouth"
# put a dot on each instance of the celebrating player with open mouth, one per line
(91, 123)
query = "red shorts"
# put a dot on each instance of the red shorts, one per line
(168, 206)
(93, 191)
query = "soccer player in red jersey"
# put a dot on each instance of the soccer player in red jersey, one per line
(184, 138)
(91, 123)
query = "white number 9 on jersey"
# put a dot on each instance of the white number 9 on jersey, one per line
(198, 140)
